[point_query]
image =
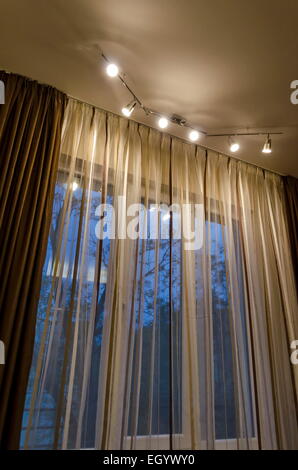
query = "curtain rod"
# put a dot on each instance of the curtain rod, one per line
(204, 147)
(167, 133)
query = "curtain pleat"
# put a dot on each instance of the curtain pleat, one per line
(149, 341)
(30, 128)
(291, 192)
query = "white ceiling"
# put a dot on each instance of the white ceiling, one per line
(223, 65)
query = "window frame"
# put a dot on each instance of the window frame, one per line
(162, 441)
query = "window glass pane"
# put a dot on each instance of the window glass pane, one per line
(154, 297)
(152, 315)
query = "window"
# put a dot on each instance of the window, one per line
(153, 318)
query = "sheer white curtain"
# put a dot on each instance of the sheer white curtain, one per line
(140, 342)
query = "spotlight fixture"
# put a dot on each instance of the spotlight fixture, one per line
(112, 70)
(129, 108)
(267, 145)
(176, 119)
(163, 122)
(234, 146)
(194, 135)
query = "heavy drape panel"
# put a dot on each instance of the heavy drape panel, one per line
(145, 341)
(30, 129)
(291, 190)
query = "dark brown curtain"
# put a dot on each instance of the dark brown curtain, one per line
(291, 191)
(30, 132)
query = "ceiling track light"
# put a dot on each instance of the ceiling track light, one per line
(129, 108)
(234, 146)
(267, 145)
(179, 120)
(163, 122)
(112, 70)
(194, 135)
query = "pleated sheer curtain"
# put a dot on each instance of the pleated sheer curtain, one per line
(291, 191)
(141, 342)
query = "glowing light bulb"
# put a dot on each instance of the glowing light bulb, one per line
(112, 70)
(163, 122)
(267, 146)
(234, 147)
(74, 186)
(126, 112)
(194, 135)
(128, 109)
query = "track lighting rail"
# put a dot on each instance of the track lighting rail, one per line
(164, 119)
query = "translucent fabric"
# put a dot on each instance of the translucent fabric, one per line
(146, 342)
